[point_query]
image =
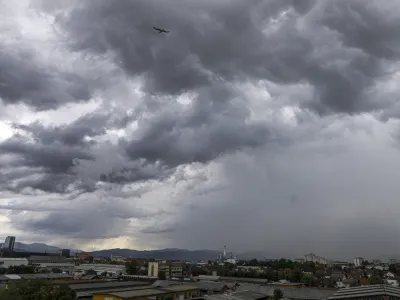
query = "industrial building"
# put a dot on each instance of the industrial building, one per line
(170, 269)
(367, 292)
(52, 262)
(175, 292)
(99, 269)
(6, 262)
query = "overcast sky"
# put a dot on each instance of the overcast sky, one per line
(261, 125)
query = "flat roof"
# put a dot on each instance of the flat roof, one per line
(366, 291)
(112, 290)
(138, 293)
(242, 295)
(151, 292)
(106, 284)
(181, 287)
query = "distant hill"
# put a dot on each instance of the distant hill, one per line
(37, 247)
(167, 254)
(173, 254)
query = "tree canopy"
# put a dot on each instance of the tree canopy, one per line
(36, 290)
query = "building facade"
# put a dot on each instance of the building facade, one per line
(152, 269)
(49, 263)
(358, 261)
(311, 257)
(9, 243)
(6, 262)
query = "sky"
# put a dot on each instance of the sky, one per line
(266, 126)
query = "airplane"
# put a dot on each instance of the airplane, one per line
(160, 30)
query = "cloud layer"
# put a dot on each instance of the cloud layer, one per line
(263, 125)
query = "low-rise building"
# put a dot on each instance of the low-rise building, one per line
(49, 263)
(170, 269)
(358, 261)
(175, 292)
(311, 257)
(6, 262)
(367, 292)
(99, 269)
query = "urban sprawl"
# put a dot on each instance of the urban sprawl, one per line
(83, 275)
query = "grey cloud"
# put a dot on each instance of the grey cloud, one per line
(88, 218)
(209, 41)
(338, 197)
(157, 230)
(24, 79)
(74, 134)
(208, 129)
(52, 164)
(370, 27)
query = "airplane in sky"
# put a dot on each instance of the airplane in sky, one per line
(161, 30)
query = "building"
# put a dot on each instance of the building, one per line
(358, 261)
(392, 261)
(50, 263)
(311, 257)
(65, 253)
(6, 262)
(367, 292)
(9, 244)
(170, 269)
(152, 269)
(175, 292)
(376, 261)
(99, 269)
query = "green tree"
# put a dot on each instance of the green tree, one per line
(375, 279)
(104, 274)
(161, 275)
(278, 294)
(296, 275)
(91, 272)
(20, 270)
(36, 290)
(131, 267)
(253, 262)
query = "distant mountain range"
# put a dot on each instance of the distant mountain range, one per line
(167, 254)
(174, 254)
(37, 247)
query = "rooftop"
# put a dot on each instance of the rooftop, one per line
(289, 292)
(105, 285)
(242, 295)
(366, 291)
(151, 292)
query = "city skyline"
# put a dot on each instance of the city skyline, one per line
(267, 126)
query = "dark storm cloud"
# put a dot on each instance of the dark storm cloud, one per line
(52, 164)
(74, 134)
(157, 230)
(369, 26)
(25, 79)
(208, 130)
(105, 220)
(225, 40)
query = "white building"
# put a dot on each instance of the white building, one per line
(6, 262)
(50, 263)
(101, 268)
(358, 261)
(311, 257)
(153, 269)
